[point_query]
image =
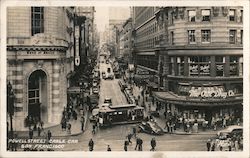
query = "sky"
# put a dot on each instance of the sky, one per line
(103, 14)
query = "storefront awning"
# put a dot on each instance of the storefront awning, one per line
(172, 98)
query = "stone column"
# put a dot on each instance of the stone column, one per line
(56, 110)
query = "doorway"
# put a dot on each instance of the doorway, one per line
(37, 95)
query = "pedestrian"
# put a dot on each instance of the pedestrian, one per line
(126, 145)
(41, 124)
(208, 144)
(38, 131)
(165, 114)
(30, 133)
(93, 129)
(134, 132)
(137, 142)
(91, 145)
(140, 144)
(129, 138)
(224, 122)
(82, 123)
(69, 128)
(213, 146)
(49, 134)
(153, 144)
(108, 148)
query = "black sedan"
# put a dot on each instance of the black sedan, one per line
(151, 127)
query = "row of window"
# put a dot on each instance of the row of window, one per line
(206, 15)
(206, 37)
(148, 43)
(150, 61)
(144, 17)
(153, 28)
(201, 66)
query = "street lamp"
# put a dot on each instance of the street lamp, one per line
(10, 109)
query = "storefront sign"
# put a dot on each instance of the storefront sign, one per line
(210, 92)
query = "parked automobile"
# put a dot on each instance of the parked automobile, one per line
(94, 115)
(122, 85)
(103, 75)
(95, 90)
(108, 101)
(151, 127)
(109, 76)
(230, 131)
(95, 83)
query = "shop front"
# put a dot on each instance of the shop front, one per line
(199, 104)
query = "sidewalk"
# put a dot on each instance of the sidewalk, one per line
(161, 120)
(57, 130)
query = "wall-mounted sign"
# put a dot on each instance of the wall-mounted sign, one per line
(210, 92)
(40, 52)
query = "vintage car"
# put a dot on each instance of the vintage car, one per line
(151, 127)
(108, 101)
(230, 131)
(95, 90)
(94, 115)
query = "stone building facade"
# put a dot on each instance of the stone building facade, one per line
(199, 60)
(40, 55)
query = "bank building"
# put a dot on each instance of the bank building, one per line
(40, 57)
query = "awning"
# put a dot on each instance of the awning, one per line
(73, 90)
(188, 52)
(152, 84)
(172, 98)
(146, 53)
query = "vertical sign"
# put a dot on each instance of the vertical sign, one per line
(77, 35)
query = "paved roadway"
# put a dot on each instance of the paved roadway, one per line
(115, 136)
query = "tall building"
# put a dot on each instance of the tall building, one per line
(88, 30)
(146, 33)
(40, 59)
(198, 59)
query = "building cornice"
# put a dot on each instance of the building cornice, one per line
(35, 48)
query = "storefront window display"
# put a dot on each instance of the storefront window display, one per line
(180, 66)
(199, 65)
(234, 65)
(219, 61)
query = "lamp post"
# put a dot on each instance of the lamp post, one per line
(10, 109)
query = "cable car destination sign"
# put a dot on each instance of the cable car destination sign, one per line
(210, 92)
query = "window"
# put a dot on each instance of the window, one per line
(241, 16)
(232, 36)
(191, 15)
(199, 65)
(171, 66)
(231, 15)
(205, 36)
(241, 36)
(219, 62)
(37, 20)
(234, 65)
(172, 38)
(191, 36)
(180, 66)
(172, 18)
(205, 15)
